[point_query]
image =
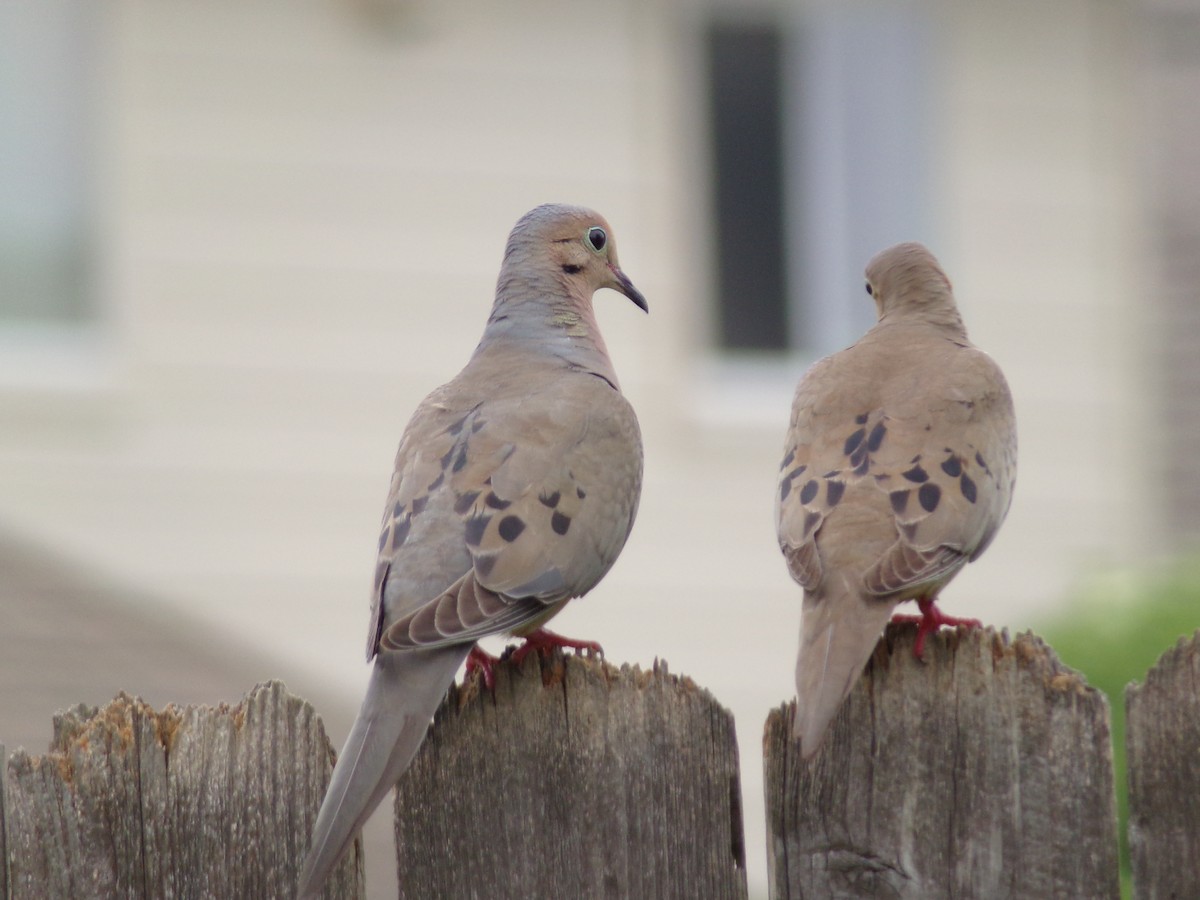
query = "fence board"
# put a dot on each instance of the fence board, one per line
(575, 779)
(1162, 742)
(984, 772)
(193, 802)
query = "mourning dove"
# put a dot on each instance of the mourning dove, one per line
(898, 469)
(515, 487)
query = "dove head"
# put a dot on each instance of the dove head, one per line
(567, 247)
(906, 283)
(557, 257)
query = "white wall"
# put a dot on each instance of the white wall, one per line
(304, 220)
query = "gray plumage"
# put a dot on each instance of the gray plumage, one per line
(515, 487)
(898, 469)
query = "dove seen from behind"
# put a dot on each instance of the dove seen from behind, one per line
(898, 469)
(515, 487)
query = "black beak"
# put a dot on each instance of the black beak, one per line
(625, 286)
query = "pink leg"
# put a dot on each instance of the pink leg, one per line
(543, 641)
(930, 620)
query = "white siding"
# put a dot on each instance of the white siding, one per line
(305, 217)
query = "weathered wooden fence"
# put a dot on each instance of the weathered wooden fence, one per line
(983, 772)
(576, 780)
(1163, 752)
(203, 802)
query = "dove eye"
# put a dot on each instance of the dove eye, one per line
(869, 291)
(597, 238)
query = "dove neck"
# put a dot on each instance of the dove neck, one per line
(944, 318)
(546, 322)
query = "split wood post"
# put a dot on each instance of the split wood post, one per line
(575, 779)
(1162, 742)
(983, 772)
(196, 802)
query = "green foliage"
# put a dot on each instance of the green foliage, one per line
(1115, 631)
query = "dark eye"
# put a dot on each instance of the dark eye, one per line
(597, 238)
(869, 291)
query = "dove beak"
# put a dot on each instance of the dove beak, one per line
(625, 286)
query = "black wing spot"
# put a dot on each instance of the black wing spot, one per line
(461, 461)
(834, 491)
(809, 492)
(861, 418)
(811, 521)
(437, 482)
(917, 475)
(474, 529)
(485, 564)
(511, 527)
(899, 501)
(419, 504)
(929, 495)
(383, 538)
(968, 488)
(785, 488)
(952, 466)
(560, 523)
(876, 438)
(787, 460)
(853, 441)
(580, 493)
(495, 502)
(550, 500)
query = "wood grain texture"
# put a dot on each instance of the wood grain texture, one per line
(984, 772)
(575, 779)
(188, 802)
(1162, 742)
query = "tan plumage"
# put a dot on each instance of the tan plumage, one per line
(898, 469)
(515, 487)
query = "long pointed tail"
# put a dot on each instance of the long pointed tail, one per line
(404, 692)
(837, 634)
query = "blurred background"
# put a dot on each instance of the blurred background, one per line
(240, 241)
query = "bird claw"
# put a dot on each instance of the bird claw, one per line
(485, 664)
(544, 641)
(929, 621)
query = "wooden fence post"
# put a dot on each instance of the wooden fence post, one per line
(1162, 743)
(985, 771)
(575, 779)
(5, 892)
(195, 802)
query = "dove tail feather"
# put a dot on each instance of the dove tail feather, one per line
(404, 692)
(838, 632)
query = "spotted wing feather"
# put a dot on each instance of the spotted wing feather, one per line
(537, 511)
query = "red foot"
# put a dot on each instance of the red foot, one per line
(485, 664)
(930, 620)
(544, 641)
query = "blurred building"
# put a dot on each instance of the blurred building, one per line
(240, 241)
